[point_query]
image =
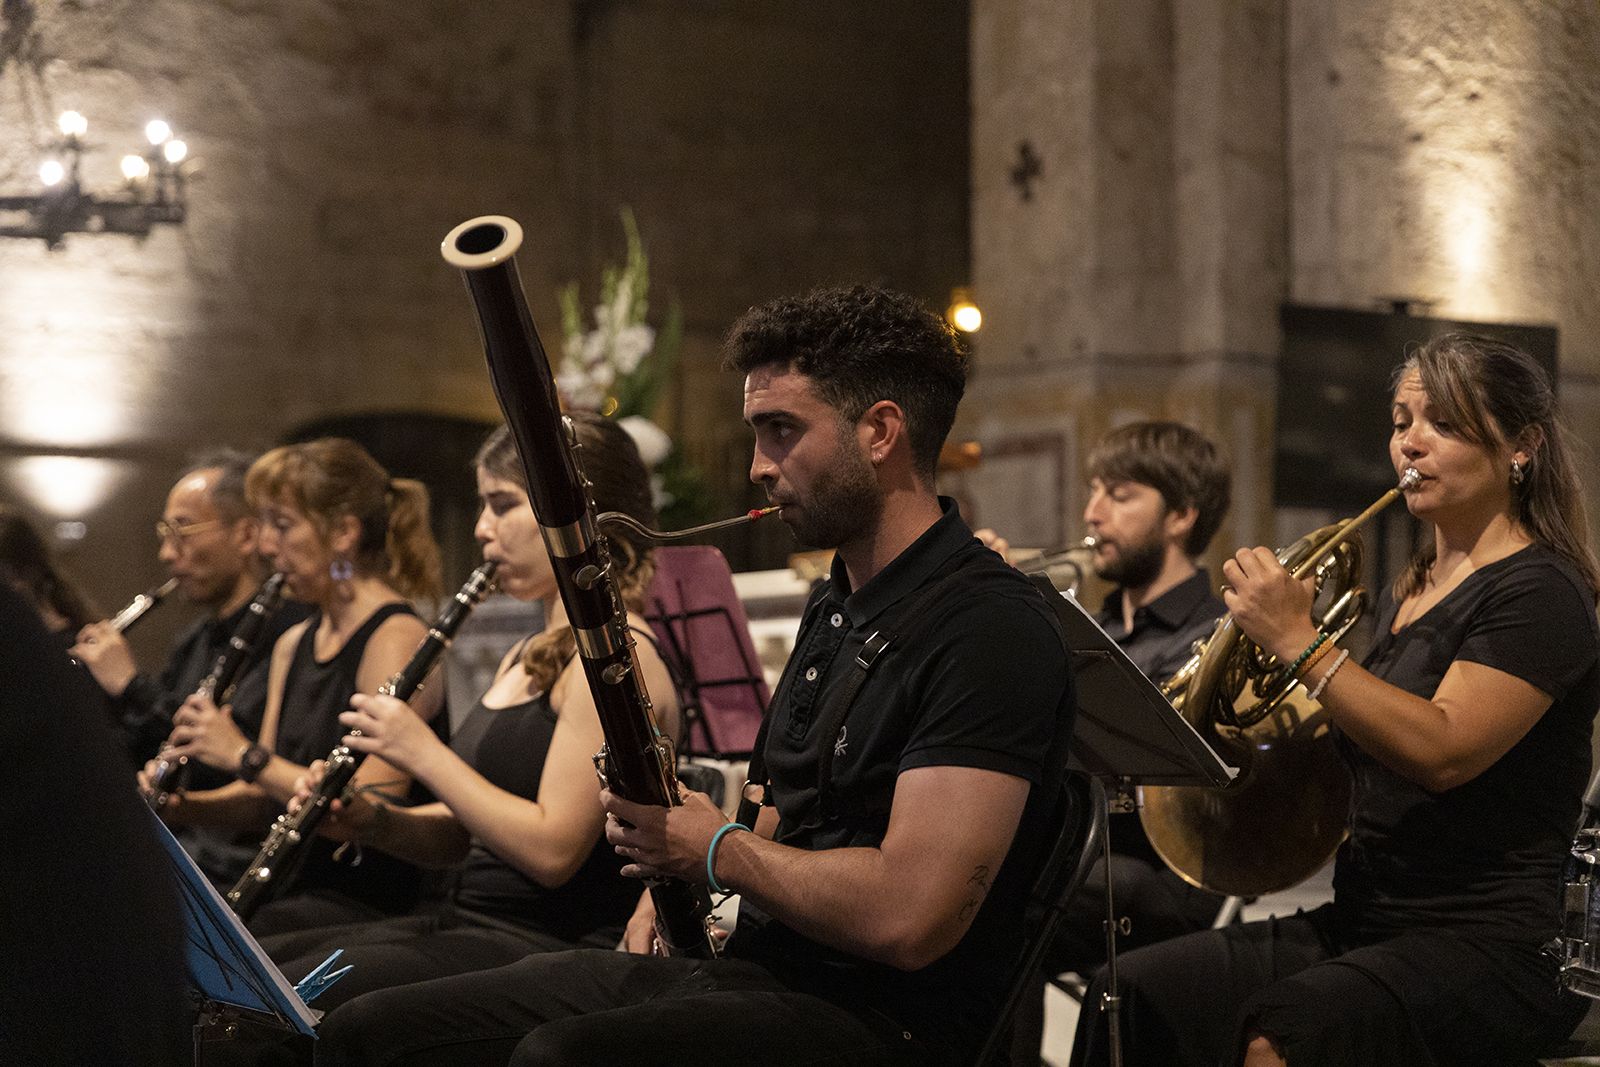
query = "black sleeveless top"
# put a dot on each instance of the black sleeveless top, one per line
(314, 694)
(508, 746)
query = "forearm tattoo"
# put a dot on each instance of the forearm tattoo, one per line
(977, 886)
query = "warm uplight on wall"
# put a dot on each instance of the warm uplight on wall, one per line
(963, 314)
(65, 487)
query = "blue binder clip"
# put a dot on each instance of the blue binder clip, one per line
(312, 985)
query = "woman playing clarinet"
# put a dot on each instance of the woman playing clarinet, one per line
(354, 544)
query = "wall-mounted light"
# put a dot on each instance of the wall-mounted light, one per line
(66, 487)
(154, 189)
(963, 314)
(61, 205)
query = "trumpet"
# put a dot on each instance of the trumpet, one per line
(1285, 814)
(1065, 567)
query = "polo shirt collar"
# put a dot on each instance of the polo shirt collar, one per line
(907, 572)
(1174, 607)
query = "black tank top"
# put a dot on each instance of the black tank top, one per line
(314, 694)
(508, 746)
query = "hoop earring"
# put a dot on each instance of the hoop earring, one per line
(1517, 472)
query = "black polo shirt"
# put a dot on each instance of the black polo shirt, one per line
(1164, 630)
(979, 678)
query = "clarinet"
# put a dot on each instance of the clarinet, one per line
(124, 620)
(636, 762)
(171, 774)
(283, 851)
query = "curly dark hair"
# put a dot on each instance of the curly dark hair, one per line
(862, 345)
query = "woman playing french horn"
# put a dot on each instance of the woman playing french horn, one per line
(1466, 727)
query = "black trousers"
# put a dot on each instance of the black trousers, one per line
(609, 1007)
(438, 943)
(1159, 906)
(1425, 997)
(310, 910)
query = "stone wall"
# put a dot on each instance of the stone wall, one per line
(764, 148)
(1203, 161)
(1138, 274)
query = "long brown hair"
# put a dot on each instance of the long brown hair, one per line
(620, 482)
(1497, 395)
(332, 477)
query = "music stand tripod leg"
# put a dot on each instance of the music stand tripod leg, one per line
(1118, 799)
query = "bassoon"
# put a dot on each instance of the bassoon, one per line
(171, 772)
(637, 761)
(282, 853)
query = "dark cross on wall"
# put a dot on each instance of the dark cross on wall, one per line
(1027, 168)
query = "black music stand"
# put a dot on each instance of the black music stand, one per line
(1127, 735)
(234, 981)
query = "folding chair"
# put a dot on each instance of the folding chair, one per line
(1081, 824)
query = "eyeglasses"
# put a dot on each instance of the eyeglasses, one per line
(181, 532)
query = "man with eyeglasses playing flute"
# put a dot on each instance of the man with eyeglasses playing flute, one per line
(207, 537)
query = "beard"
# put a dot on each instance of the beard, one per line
(1136, 565)
(842, 504)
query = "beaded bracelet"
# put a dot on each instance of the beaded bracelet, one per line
(1315, 658)
(711, 855)
(1294, 669)
(1329, 673)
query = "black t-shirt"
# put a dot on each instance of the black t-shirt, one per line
(978, 679)
(1487, 854)
(315, 692)
(509, 746)
(147, 704)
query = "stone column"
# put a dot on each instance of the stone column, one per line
(1135, 267)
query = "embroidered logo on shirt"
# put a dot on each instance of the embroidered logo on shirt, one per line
(839, 744)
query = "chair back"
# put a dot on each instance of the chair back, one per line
(1080, 826)
(705, 641)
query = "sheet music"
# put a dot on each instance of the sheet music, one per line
(225, 963)
(1125, 727)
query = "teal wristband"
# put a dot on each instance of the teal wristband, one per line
(711, 855)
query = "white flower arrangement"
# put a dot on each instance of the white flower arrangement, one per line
(595, 361)
(618, 368)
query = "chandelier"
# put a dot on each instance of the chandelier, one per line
(153, 181)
